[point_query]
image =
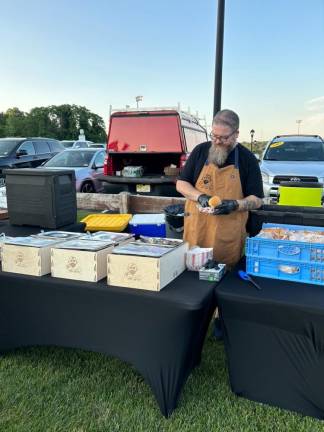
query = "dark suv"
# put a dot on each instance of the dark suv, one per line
(26, 152)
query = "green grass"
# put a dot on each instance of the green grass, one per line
(83, 213)
(54, 389)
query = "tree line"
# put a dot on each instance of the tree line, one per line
(54, 121)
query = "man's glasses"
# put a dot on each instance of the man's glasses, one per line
(221, 138)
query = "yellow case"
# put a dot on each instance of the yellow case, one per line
(299, 196)
(106, 222)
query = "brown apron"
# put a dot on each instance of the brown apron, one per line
(224, 233)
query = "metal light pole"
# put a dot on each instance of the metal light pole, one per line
(219, 56)
(252, 132)
(298, 122)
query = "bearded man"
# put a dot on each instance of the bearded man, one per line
(224, 168)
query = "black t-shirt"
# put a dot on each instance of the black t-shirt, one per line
(250, 174)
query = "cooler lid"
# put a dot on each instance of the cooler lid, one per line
(148, 219)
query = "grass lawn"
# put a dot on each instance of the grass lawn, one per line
(54, 389)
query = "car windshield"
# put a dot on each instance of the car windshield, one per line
(71, 159)
(295, 151)
(67, 144)
(6, 146)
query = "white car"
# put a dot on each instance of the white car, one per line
(76, 144)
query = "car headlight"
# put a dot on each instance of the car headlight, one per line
(265, 177)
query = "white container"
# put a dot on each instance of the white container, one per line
(84, 260)
(146, 272)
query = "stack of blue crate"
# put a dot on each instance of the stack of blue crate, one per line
(285, 259)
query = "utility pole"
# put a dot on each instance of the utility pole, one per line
(298, 122)
(219, 56)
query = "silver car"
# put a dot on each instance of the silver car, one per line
(87, 163)
(294, 158)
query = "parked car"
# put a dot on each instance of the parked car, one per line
(87, 163)
(153, 139)
(98, 145)
(295, 158)
(26, 152)
(76, 144)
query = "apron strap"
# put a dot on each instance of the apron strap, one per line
(236, 155)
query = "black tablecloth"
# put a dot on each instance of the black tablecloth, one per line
(25, 230)
(274, 341)
(160, 334)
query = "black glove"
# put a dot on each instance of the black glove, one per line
(203, 200)
(226, 207)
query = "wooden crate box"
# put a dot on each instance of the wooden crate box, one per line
(83, 265)
(28, 260)
(148, 273)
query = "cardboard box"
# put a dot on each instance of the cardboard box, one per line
(27, 255)
(84, 260)
(146, 272)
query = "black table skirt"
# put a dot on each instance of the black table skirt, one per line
(160, 334)
(25, 230)
(274, 341)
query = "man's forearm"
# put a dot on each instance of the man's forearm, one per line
(187, 190)
(249, 203)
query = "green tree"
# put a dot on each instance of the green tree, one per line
(2, 124)
(15, 122)
(55, 121)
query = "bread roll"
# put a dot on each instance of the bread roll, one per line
(214, 201)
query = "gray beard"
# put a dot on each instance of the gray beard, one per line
(218, 155)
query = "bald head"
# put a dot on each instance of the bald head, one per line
(227, 118)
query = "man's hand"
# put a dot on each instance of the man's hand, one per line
(226, 207)
(203, 200)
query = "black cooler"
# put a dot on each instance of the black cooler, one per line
(291, 215)
(41, 197)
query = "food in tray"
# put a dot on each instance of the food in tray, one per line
(30, 241)
(107, 236)
(279, 233)
(87, 245)
(160, 241)
(60, 235)
(142, 249)
(214, 201)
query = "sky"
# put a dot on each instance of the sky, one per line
(102, 52)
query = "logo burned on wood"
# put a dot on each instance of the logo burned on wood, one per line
(72, 265)
(19, 261)
(132, 272)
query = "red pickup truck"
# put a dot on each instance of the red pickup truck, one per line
(155, 140)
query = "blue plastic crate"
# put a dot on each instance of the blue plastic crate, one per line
(285, 270)
(286, 249)
(151, 225)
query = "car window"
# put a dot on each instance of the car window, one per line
(73, 159)
(55, 146)
(80, 144)
(28, 146)
(7, 146)
(193, 138)
(295, 151)
(100, 159)
(41, 147)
